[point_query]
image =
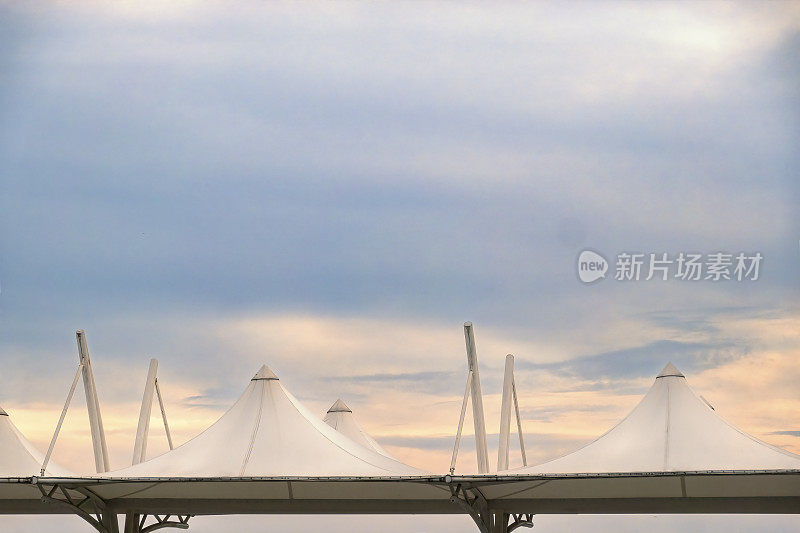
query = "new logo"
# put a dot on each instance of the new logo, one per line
(591, 266)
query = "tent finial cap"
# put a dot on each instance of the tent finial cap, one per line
(264, 373)
(339, 407)
(670, 371)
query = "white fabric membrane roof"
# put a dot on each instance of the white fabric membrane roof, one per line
(670, 430)
(268, 454)
(18, 457)
(268, 432)
(341, 418)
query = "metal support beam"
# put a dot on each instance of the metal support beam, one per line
(179, 522)
(499, 522)
(515, 520)
(143, 429)
(159, 521)
(471, 500)
(519, 424)
(61, 419)
(131, 522)
(461, 422)
(82, 502)
(163, 414)
(94, 510)
(477, 400)
(505, 415)
(509, 396)
(93, 406)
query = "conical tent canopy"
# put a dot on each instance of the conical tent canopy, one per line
(671, 430)
(18, 457)
(268, 432)
(341, 418)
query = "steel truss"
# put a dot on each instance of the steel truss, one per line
(518, 520)
(159, 522)
(82, 502)
(94, 510)
(472, 500)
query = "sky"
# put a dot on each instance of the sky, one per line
(334, 189)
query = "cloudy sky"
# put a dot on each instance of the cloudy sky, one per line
(333, 189)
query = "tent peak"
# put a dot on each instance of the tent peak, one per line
(670, 371)
(264, 373)
(266, 433)
(339, 407)
(3, 412)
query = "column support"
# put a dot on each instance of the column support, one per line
(471, 500)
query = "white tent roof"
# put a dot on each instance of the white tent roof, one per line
(671, 430)
(268, 432)
(18, 457)
(341, 418)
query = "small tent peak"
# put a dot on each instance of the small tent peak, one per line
(670, 371)
(339, 407)
(264, 373)
(3, 412)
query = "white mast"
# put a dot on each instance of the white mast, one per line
(93, 406)
(151, 388)
(477, 400)
(505, 415)
(140, 445)
(509, 396)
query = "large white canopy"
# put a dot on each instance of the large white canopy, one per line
(268, 432)
(341, 418)
(18, 457)
(671, 430)
(268, 454)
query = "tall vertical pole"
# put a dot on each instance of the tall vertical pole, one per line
(477, 400)
(93, 406)
(142, 430)
(505, 414)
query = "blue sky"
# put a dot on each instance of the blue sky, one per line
(335, 189)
